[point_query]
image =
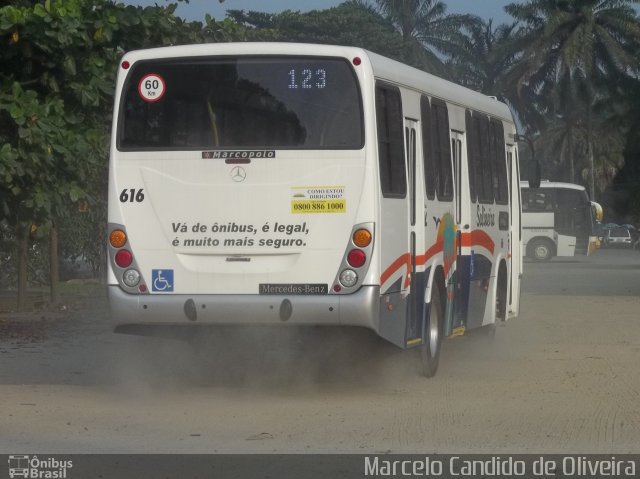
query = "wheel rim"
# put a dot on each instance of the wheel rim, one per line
(433, 333)
(541, 251)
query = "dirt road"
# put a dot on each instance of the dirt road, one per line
(563, 378)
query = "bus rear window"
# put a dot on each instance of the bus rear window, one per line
(246, 102)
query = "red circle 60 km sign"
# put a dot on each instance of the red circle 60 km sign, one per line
(151, 87)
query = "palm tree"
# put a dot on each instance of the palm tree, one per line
(483, 55)
(565, 140)
(426, 30)
(568, 41)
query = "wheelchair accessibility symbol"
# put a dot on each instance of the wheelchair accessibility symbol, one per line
(162, 280)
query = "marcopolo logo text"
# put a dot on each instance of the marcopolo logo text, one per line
(238, 154)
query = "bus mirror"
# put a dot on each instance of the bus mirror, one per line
(596, 209)
(534, 174)
(534, 165)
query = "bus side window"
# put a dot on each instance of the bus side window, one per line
(441, 149)
(485, 195)
(427, 153)
(537, 201)
(390, 141)
(472, 149)
(481, 161)
(500, 180)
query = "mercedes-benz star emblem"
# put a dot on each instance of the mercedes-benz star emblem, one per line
(238, 174)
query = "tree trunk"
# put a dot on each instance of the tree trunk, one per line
(54, 274)
(22, 235)
(592, 179)
(572, 167)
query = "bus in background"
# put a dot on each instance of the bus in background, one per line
(558, 220)
(296, 185)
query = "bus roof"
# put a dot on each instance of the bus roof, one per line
(554, 184)
(383, 67)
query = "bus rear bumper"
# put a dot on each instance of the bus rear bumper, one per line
(357, 309)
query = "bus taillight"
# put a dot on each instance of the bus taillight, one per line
(118, 238)
(356, 258)
(355, 262)
(124, 258)
(348, 278)
(131, 278)
(362, 238)
(123, 261)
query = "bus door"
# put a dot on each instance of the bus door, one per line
(459, 284)
(395, 148)
(401, 306)
(418, 284)
(515, 231)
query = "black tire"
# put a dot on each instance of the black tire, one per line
(501, 296)
(541, 249)
(434, 325)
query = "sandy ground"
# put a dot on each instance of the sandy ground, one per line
(562, 378)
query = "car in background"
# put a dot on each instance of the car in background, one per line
(617, 237)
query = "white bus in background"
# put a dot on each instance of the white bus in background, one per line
(558, 220)
(295, 185)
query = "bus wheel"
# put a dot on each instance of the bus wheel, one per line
(434, 324)
(540, 250)
(501, 296)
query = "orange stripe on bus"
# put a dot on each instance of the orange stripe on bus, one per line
(404, 260)
(474, 238)
(478, 238)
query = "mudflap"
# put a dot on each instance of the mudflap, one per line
(458, 286)
(394, 308)
(417, 313)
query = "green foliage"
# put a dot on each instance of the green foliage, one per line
(350, 24)
(575, 50)
(482, 55)
(57, 77)
(428, 32)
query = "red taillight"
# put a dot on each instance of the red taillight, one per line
(357, 61)
(124, 258)
(356, 258)
(126, 65)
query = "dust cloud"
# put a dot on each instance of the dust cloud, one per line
(257, 358)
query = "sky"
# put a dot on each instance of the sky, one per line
(197, 9)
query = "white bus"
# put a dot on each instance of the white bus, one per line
(558, 220)
(293, 184)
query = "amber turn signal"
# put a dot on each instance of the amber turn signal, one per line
(362, 238)
(118, 238)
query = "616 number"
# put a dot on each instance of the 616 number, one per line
(132, 195)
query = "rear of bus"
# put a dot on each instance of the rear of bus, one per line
(237, 188)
